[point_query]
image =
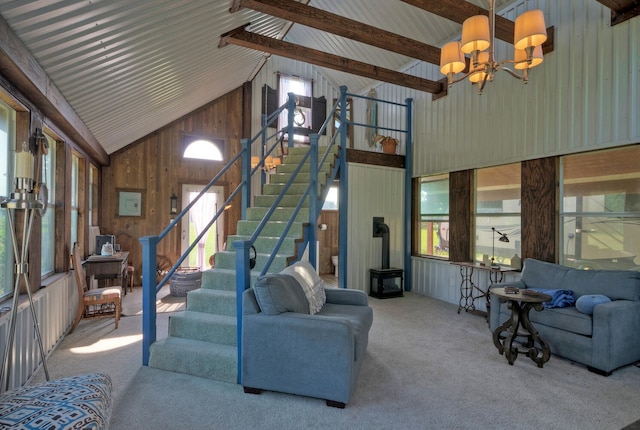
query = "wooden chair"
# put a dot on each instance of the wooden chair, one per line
(99, 302)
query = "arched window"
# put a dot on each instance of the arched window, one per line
(203, 149)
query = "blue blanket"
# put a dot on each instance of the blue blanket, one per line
(559, 298)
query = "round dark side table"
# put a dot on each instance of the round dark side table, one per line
(518, 327)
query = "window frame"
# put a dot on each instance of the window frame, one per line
(432, 217)
(512, 232)
(609, 218)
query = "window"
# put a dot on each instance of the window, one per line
(331, 202)
(75, 201)
(433, 222)
(93, 195)
(497, 207)
(203, 150)
(302, 117)
(47, 259)
(600, 212)
(7, 141)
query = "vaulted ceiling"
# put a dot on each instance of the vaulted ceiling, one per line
(126, 68)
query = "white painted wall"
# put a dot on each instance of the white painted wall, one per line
(373, 191)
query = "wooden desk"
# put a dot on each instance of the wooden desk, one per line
(467, 286)
(106, 269)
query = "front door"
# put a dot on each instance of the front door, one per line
(199, 216)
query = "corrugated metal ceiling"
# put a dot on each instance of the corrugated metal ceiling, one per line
(130, 67)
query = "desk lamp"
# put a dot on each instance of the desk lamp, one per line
(503, 238)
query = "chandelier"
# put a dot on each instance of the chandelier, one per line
(478, 40)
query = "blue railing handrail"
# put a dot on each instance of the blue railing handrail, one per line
(150, 243)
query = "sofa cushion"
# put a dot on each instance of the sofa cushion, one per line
(311, 283)
(567, 319)
(586, 303)
(615, 284)
(278, 293)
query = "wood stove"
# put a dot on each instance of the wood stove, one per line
(385, 282)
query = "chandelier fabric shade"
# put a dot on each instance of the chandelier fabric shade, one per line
(451, 58)
(478, 73)
(521, 62)
(475, 34)
(530, 30)
(478, 40)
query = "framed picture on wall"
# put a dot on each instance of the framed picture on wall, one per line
(130, 202)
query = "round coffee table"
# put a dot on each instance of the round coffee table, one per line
(518, 327)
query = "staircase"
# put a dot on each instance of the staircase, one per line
(203, 340)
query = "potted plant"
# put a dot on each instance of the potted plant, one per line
(388, 143)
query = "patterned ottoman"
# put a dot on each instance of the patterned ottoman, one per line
(76, 402)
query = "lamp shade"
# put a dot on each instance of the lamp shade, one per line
(530, 30)
(254, 161)
(451, 58)
(520, 58)
(475, 34)
(478, 73)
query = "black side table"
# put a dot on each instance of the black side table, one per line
(383, 283)
(519, 326)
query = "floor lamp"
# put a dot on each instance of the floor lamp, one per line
(503, 238)
(22, 200)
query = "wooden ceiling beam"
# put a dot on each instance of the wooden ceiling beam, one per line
(309, 16)
(621, 10)
(459, 10)
(246, 39)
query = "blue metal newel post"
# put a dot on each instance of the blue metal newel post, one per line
(246, 176)
(313, 199)
(149, 270)
(408, 173)
(243, 281)
(263, 174)
(343, 192)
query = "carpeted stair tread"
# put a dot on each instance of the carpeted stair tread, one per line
(204, 326)
(197, 358)
(272, 229)
(222, 279)
(289, 200)
(280, 214)
(219, 302)
(266, 244)
(276, 189)
(227, 260)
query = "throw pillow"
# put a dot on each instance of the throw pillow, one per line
(312, 284)
(586, 303)
(280, 293)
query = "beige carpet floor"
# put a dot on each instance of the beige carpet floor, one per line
(132, 302)
(427, 367)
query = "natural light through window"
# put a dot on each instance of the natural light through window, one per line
(107, 344)
(203, 150)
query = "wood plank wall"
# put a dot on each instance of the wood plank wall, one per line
(460, 215)
(539, 203)
(154, 165)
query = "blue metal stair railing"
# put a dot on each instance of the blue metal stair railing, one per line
(150, 243)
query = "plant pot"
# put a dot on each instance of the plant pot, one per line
(389, 145)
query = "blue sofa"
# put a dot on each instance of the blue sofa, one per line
(603, 336)
(293, 342)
